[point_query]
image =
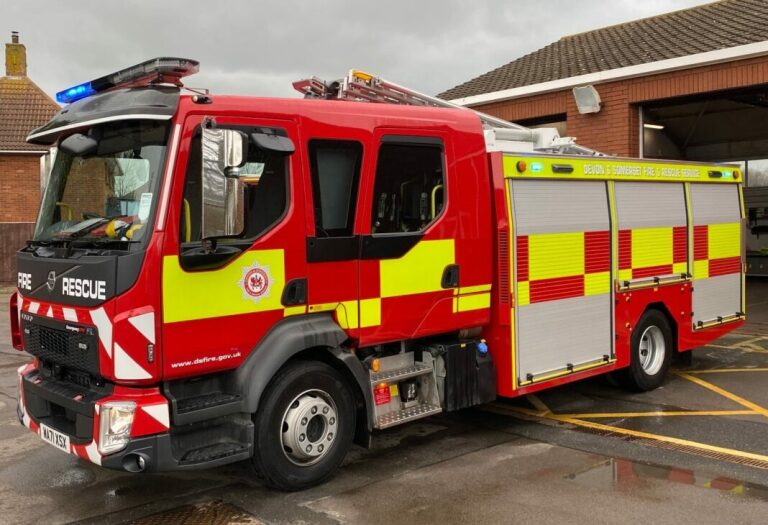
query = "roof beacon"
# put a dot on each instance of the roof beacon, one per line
(164, 70)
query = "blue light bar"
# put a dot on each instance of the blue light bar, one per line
(75, 93)
(163, 70)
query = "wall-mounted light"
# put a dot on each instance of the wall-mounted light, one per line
(653, 126)
(587, 99)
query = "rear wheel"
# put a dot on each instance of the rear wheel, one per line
(304, 426)
(650, 353)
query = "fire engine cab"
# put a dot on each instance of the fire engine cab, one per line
(221, 278)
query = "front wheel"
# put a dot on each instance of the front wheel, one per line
(304, 426)
(650, 353)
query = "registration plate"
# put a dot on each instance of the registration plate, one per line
(54, 437)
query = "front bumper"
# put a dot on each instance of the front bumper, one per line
(153, 446)
(73, 410)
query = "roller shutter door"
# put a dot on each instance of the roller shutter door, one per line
(717, 252)
(562, 275)
(653, 230)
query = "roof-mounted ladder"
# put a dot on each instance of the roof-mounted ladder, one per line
(361, 86)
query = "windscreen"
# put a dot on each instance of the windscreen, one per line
(109, 193)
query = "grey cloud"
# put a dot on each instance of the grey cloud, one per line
(258, 47)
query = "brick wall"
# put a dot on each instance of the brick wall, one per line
(13, 236)
(19, 187)
(615, 129)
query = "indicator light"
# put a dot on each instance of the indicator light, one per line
(521, 166)
(375, 365)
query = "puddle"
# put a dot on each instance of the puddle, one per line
(626, 474)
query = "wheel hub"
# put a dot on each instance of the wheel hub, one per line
(309, 427)
(652, 350)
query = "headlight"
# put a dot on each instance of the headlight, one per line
(116, 418)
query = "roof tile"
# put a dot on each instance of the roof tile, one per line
(23, 107)
(709, 27)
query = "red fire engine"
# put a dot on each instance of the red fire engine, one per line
(220, 278)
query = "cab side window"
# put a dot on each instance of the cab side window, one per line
(262, 184)
(409, 190)
(335, 167)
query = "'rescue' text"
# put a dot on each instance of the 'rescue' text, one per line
(84, 288)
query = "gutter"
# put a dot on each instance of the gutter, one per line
(22, 152)
(651, 68)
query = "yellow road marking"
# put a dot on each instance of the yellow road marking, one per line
(633, 433)
(598, 415)
(726, 370)
(733, 397)
(753, 340)
(542, 408)
(755, 349)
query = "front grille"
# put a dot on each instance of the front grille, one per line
(52, 342)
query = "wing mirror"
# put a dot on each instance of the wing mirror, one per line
(224, 152)
(273, 143)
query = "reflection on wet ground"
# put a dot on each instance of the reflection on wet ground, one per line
(622, 474)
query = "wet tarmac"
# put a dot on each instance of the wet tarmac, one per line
(688, 452)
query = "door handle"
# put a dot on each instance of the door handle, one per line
(295, 292)
(450, 276)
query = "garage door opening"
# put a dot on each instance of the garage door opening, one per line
(723, 127)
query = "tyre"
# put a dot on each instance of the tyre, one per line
(304, 426)
(651, 350)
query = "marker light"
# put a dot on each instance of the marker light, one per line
(163, 70)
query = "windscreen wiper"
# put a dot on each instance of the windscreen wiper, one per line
(100, 241)
(90, 227)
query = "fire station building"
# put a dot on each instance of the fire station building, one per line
(690, 85)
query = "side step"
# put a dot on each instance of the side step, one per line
(204, 407)
(404, 390)
(393, 376)
(214, 452)
(190, 404)
(399, 417)
(213, 442)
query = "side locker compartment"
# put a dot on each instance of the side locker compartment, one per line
(562, 278)
(717, 254)
(653, 232)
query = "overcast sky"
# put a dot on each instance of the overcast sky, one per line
(258, 47)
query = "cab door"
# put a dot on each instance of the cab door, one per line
(408, 270)
(219, 300)
(335, 164)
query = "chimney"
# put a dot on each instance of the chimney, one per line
(15, 57)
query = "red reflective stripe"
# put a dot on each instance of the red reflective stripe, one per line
(554, 289)
(700, 242)
(651, 271)
(522, 258)
(597, 252)
(680, 244)
(625, 249)
(724, 266)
